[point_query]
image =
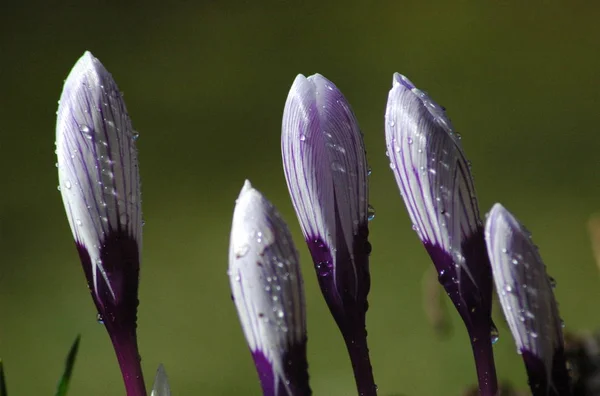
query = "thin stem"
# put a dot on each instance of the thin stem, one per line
(126, 348)
(481, 341)
(356, 343)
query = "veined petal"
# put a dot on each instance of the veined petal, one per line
(435, 181)
(267, 289)
(324, 162)
(99, 183)
(528, 302)
(325, 167)
(97, 166)
(161, 383)
(431, 170)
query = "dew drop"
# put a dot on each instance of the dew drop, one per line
(242, 250)
(324, 268)
(369, 171)
(392, 123)
(552, 282)
(135, 136)
(337, 167)
(84, 128)
(370, 212)
(99, 318)
(78, 222)
(494, 335)
(302, 138)
(68, 184)
(410, 140)
(58, 188)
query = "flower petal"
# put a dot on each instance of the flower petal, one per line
(527, 299)
(326, 171)
(97, 163)
(431, 169)
(267, 289)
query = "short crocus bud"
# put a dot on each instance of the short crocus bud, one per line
(435, 181)
(161, 383)
(100, 187)
(326, 171)
(526, 296)
(267, 289)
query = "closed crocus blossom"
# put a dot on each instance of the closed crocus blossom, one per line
(326, 171)
(100, 187)
(528, 302)
(435, 182)
(267, 289)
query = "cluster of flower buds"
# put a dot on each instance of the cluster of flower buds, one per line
(325, 166)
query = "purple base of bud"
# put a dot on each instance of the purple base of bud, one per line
(472, 300)
(120, 261)
(540, 385)
(346, 295)
(295, 368)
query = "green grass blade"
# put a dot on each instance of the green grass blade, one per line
(3, 391)
(63, 385)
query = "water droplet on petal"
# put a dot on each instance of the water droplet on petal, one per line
(494, 335)
(302, 138)
(242, 250)
(552, 282)
(99, 318)
(324, 268)
(135, 135)
(410, 140)
(370, 212)
(369, 171)
(68, 184)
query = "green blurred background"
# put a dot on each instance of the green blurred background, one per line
(205, 83)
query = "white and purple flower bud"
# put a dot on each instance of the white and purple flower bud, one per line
(267, 289)
(100, 186)
(527, 299)
(325, 167)
(435, 181)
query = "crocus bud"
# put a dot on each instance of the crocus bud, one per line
(267, 289)
(326, 171)
(435, 181)
(100, 187)
(527, 299)
(161, 383)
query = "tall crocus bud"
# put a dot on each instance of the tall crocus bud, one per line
(100, 187)
(526, 296)
(267, 289)
(435, 181)
(326, 171)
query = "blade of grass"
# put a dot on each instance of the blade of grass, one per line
(63, 385)
(3, 391)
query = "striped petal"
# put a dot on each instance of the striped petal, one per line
(98, 170)
(528, 302)
(325, 167)
(267, 289)
(435, 181)
(100, 187)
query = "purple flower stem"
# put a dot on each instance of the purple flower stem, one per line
(356, 343)
(481, 342)
(126, 348)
